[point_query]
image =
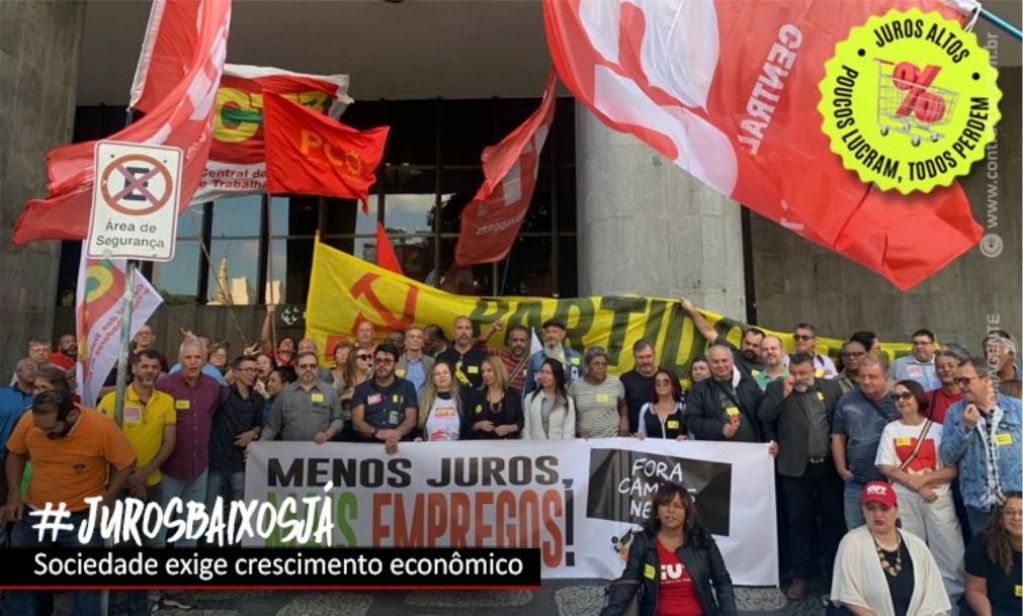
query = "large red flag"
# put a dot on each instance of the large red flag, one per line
(385, 252)
(491, 221)
(167, 50)
(310, 154)
(182, 119)
(728, 90)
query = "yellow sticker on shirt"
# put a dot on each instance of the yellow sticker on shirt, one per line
(574, 361)
(132, 414)
(444, 411)
(479, 409)
(1003, 439)
(316, 397)
(649, 572)
(1019, 590)
(732, 411)
(399, 373)
(673, 424)
(819, 373)
(820, 395)
(905, 441)
(474, 369)
(397, 398)
(603, 398)
(182, 405)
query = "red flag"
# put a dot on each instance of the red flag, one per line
(728, 91)
(491, 221)
(385, 252)
(309, 154)
(182, 119)
(237, 164)
(167, 49)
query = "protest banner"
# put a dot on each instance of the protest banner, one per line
(579, 502)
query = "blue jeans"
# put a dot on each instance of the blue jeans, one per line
(189, 491)
(853, 512)
(220, 481)
(25, 603)
(978, 520)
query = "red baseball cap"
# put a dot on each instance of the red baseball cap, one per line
(879, 492)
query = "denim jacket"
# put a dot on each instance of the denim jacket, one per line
(964, 447)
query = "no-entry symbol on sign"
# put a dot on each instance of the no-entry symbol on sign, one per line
(135, 202)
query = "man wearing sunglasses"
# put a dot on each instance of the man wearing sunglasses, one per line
(982, 435)
(306, 410)
(806, 342)
(384, 408)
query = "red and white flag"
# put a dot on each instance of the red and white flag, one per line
(491, 221)
(728, 90)
(183, 117)
(98, 311)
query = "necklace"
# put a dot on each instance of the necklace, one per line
(891, 570)
(495, 407)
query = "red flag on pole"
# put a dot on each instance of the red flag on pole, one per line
(167, 49)
(385, 252)
(310, 154)
(181, 119)
(728, 91)
(491, 221)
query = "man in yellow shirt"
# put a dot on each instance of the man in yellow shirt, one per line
(148, 423)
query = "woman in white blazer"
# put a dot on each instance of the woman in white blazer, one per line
(549, 412)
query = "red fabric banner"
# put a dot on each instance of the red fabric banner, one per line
(728, 90)
(310, 154)
(491, 221)
(183, 119)
(167, 49)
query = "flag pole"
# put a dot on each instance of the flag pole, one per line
(1001, 24)
(270, 266)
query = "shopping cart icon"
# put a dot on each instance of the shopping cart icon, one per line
(909, 106)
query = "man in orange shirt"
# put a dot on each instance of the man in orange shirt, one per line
(71, 450)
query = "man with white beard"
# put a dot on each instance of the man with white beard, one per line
(554, 347)
(797, 412)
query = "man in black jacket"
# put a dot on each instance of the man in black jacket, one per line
(799, 408)
(722, 409)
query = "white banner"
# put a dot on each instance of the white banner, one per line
(99, 306)
(577, 501)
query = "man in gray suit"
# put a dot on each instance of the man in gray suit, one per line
(797, 411)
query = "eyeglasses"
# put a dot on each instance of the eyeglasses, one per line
(963, 381)
(922, 342)
(853, 354)
(308, 366)
(802, 338)
(662, 382)
(364, 357)
(905, 396)
(1013, 513)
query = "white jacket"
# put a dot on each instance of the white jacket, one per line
(859, 579)
(561, 423)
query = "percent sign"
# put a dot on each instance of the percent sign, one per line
(927, 106)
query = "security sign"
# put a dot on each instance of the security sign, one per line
(135, 202)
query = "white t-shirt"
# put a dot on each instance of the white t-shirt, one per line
(443, 423)
(898, 441)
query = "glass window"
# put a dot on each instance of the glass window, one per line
(234, 272)
(467, 126)
(279, 207)
(458, 187)
(278, 268)
(177, 280)
(238, 217)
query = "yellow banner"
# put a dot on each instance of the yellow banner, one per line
(346, 290)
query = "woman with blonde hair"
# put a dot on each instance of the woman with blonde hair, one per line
(440, 407)
(358, 368)
(496, 411)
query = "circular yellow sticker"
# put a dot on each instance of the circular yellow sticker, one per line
(909, 101)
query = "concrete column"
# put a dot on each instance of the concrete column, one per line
(646, 227)
(39, 51)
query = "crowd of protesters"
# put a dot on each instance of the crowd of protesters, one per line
(898, 484)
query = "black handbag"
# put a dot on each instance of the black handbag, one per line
(633, 608)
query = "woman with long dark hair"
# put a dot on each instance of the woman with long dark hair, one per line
(994, 562)
(674, 564)
(662, 416)
(907, 455)
(549, 412)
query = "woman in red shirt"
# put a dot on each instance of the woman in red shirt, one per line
(674, 565)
